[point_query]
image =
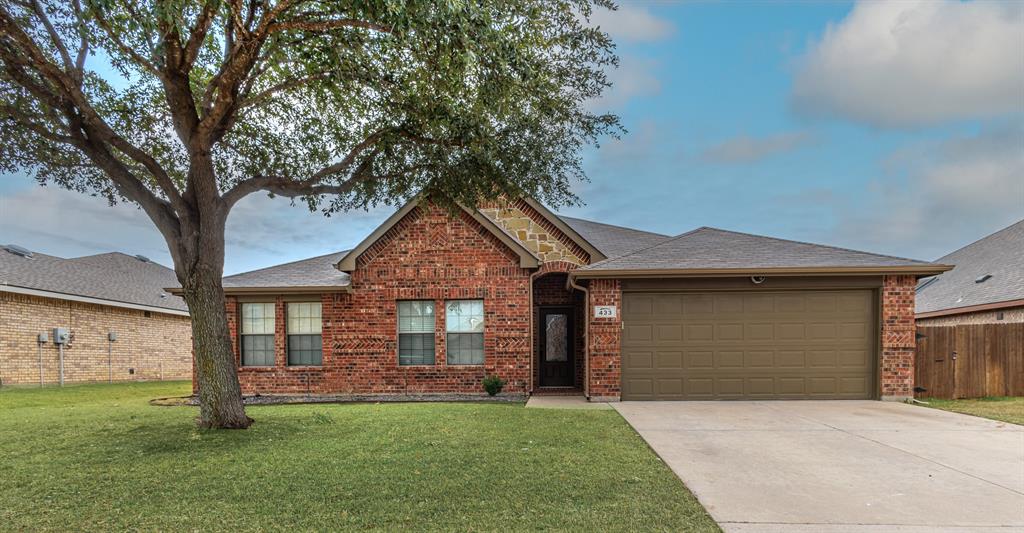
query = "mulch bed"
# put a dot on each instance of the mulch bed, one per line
(284, 399)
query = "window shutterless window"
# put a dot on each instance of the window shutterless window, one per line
(416, 332)
(464, 321)
(305, 343)
(257, 334)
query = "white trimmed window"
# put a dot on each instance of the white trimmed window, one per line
(464, 324)
(305, 340)
(257, 334)
(416, 324)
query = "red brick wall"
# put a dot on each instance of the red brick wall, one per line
(426, 256)
(898, 342)
(605, 368)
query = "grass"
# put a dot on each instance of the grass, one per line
(1003, 408)
(99, 457)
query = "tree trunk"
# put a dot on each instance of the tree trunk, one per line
(220, 396)
(201, 271)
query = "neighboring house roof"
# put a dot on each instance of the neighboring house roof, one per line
(1000, 255)
(316, 272)
(711, 251)
(114, 279)
(614, 241)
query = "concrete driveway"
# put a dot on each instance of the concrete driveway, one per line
(839, 466)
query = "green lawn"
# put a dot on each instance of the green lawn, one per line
(99, 457)
(1004, 408)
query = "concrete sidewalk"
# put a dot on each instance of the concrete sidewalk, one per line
(564, 402)
(840, 466)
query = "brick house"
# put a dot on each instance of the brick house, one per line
(431, 302)
(122, 324)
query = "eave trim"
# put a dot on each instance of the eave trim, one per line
(91, 300)
(286, 289)
(919, 271)
(971, 309)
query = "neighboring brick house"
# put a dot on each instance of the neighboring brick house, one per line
(91, 297)
(985, 286)
(432, 302)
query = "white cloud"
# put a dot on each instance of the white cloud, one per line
(746, 149)
(632, 23)
(953, 192)
(634, 78)
(260, 231)
(916, 62)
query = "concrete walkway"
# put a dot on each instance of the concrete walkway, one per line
(840, 466)
(564, 402)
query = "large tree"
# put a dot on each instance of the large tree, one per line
(184, 107)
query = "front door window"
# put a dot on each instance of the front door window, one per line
(556, 346)
(557, 338)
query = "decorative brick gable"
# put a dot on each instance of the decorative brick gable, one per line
(535, 231)
(427, 255)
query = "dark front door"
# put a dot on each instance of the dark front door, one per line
(556, 347)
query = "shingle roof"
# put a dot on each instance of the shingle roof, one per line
(114, 277)
(613, 241)
(1001, 255)
(313, 272)
(715, 249)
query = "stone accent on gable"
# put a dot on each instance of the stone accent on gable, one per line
(535, 232)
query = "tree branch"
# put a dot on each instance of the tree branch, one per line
(54, 37)
(290, 83)
(198, 33)
(16, 115)
(124, 48)
(280, 183)
(325, 25)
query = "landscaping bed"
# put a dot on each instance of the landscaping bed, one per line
(283, 399)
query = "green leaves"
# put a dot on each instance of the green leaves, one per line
(464, 99)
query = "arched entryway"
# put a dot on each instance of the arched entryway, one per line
(558, 342)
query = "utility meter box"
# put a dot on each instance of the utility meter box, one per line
(61, 336)
(112, 336)
(43, 338)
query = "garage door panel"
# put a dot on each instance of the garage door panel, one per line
(763, 345)
(669, 360)
(700, 360)
(728, 359)
(637, 360)
(729, 332)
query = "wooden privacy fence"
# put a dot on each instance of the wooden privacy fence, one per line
(970, 361)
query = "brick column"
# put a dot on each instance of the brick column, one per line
(898, 337)
(605, 364)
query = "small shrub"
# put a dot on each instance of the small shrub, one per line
(493, 384)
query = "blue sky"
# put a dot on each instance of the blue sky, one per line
(895, 128)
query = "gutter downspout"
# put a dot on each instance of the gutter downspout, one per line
(586, 333)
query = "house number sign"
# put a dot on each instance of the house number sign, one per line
(604, 311)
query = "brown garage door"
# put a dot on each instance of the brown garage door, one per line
(748, 345)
